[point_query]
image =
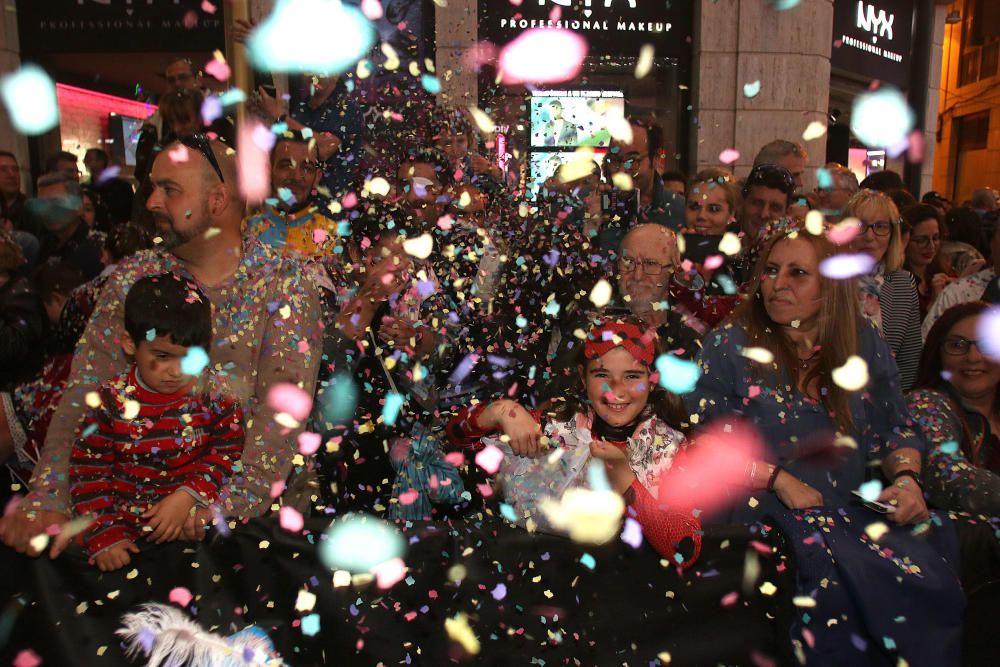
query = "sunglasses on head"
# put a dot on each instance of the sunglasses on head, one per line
(201, 143)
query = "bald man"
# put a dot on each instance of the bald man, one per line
(647, 262)
(265, 332)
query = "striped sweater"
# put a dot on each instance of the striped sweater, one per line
(138, 446)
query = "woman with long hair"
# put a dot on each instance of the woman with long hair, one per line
(957, 406)
(798, 361)
(888, 292)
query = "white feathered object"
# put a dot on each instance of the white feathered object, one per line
(168, 637)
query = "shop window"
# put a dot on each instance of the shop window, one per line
(980, 41)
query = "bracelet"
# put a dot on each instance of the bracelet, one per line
(774, 476)
(913, 474)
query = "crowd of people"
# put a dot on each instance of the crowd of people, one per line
(176, 363)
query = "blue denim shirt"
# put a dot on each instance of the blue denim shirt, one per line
(797, 431)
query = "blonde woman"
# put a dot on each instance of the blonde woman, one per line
(888, 293)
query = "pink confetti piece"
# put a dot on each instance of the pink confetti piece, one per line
(489, 459)
(729, 599)
(713, 262)
(286, 397)
(181, 596)
(718, 462)
(218, 69)
(350, 200)
(389, 573)
(843, 234)
(456, 459)
(253, 162)
(207, 7)
(445, 222)
(277, 488)
(303, 346)
(309, 442)
(915, 153)
(844, 266)
(319, 236)
(178, 154)
(27, 658)
(499, 592)
(729, 156)
(753, 391)
(290, 519)
(409, 497)
(542, 55)
(485, 490)
(372, 9)
(190, 20)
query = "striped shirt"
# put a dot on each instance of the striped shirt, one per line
(891, 301)
(139, 446)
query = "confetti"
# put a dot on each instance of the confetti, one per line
(759, 354)
(988, 333)
(30, 97)
(419, 247)
(542, 55)
(853, 375)
(499, 592)
(645, 62)
(287, 398)
(290, 519)
(751, 89)
(489, 459)
(459, 631)
(389, 573)
(870, 490)
(310, 625)
(359, 542)
(378, 186)
(601, 294)
(483, 122)
(309, 443)
(390, 411)
(729, 156)
(814, 130)
(27, 658)
(372, 9)
(815, 223)
(730, 244)
(803, 601)
(783, 5)
(848, 265)
(677, 375)
(181, 596)
(768, 589)
(876, 530)
(194, 361)
(305, 601)
(311, 36)
(131, 410)
(632, 533)
(844, 232)
(217, 67)
(882, 118)
(590, 517)
(253, 161)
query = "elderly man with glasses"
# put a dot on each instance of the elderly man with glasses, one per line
(266, 333)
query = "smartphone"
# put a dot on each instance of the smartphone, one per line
(874, 505)
(698, 247)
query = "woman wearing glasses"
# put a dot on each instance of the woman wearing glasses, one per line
(922, 234)
(957, 406)
(888, 293)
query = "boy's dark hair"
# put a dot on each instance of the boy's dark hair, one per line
(883, 181)
(293, 136)
(127, 239)
(169, 306)
(674, 176)
(770, 176)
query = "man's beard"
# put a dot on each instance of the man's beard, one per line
(170, 238)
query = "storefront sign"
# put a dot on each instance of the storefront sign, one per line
(118, 26)
(611, 27)
(872, 38)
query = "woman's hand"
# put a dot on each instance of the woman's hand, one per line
(794, 493)
(242, 30)
(905, 495)
(620, 475)
(271, 106)
(938, 282)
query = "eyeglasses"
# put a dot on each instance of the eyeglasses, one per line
(958, 346)
(649, 266)
(924, 241)
(879, 228)
(200, 143)
(617, 159)
(771, 176)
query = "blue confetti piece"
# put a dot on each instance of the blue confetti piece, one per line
(390, 411)
(552, 308)
(597, 476)
(890, 643)
(430, 84)
(950, 448)
(151, 335)
(871, 490)
(521, 322)
(194, 361)
(233, 96)
(508, 512)
(824, 179)
(677, 375)
(784, 5)
(310, 625)
(727, 284)
(588, 561)
(30, 97)
(751, 89)
(89, 430)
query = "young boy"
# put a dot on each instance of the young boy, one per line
(156, 442)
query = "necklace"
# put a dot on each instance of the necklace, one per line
(805, 363)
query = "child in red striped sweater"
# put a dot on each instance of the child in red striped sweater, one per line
(160, 439)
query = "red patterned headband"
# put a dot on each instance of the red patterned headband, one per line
(612, 334)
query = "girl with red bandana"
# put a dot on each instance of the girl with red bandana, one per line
(619, 415)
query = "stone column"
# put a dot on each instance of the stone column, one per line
(10, 60)
(741, 41)
(455, 30)
(933, 99)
